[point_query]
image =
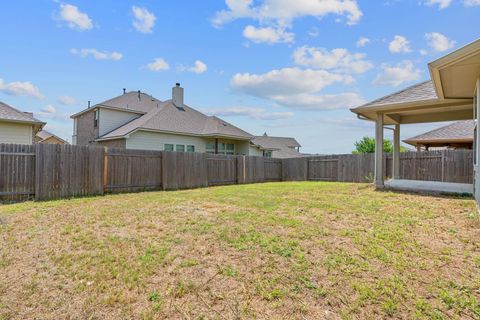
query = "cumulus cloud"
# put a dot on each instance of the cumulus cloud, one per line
(49, 109)
(284, 12)
(159, 64)
(399, 44)
(74, 18)
(321, 101)
(144, 20)
(296, 88)
(362, 42)
(67, 100)
(250, 112)
(336, 59)
(97, 55)
(199, 67)
(398, 74)
(442, 4)
(285, 82)
(18, 88)
(471, 3)
(268, 35)
(439, 42)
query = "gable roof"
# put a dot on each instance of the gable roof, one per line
(423, 91)
(168, 118)
(284, 147)
(460, 131)
(132, 101)
(44, 135)
(9, 113)
(267, 142)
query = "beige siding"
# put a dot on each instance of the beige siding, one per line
(110, 120)
(144, 140)
(254, 151)
(16, 133)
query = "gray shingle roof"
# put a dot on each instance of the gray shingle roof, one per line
(268, 142)
(168, 118)
(9, 113)
(133, 101)
(282, 146)
(420, 92)
(460, 130)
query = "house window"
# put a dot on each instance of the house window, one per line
(95, 119)
(229, 148)
(267, 154)
(180, 148)
(190, 148)
(168, 147)
(210, 147)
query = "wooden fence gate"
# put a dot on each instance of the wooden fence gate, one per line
(323, 169)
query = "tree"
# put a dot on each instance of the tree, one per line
(367, 145)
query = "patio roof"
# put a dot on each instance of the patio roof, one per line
(448, 97)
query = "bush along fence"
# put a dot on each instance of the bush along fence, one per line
(45, 172)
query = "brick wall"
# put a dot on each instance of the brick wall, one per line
(86, 133)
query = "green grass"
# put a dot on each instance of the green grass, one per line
(276, 250)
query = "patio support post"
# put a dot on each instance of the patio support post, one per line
(396, 152)
(379, 152)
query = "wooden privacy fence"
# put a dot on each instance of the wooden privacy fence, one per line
(48, 172)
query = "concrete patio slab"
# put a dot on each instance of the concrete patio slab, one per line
(429, 186)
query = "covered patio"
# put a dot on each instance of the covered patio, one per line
(447, 97)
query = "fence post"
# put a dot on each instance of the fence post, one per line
(105, 169)
(37, 171)
(443, 165)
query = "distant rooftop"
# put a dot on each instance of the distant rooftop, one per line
(457, 131)
(9, 113)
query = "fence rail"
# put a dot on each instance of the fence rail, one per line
(47, 172)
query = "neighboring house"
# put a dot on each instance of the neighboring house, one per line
(278, 147)
(45, 137)
(136, 120)
(17, 126)
(452, 94)
(458, 135)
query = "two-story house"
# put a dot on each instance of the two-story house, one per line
(135, 120)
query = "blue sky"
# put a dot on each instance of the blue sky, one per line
(290, 68)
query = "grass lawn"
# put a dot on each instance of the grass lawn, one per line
(269, 251)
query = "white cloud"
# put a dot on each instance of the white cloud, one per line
(321, 102)
(336, 59)
(67, 100)
(49, 109)
(423, 52)
(75, 18)
(268, 35)
(159, 64)
(471, 3)
(442, 4)
(17, 88)
(297, 88)
(97, 55)
(398, 74)
(439, 42)
(362, 42)
(285, 82)
(283, 12)
(250, 112)
(144, 20)
(199, 67)
(399, 44)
